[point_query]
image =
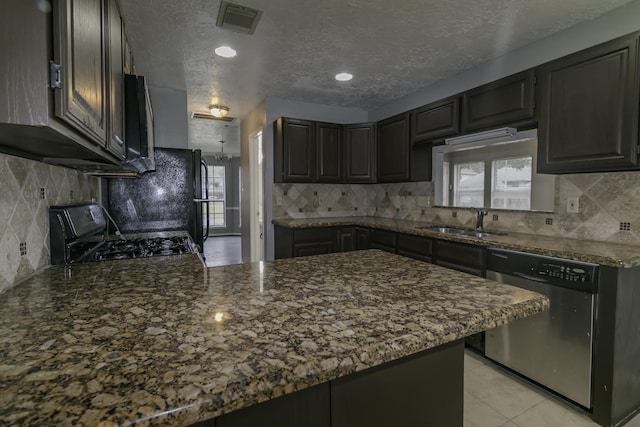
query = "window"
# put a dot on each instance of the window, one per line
(217, 192)
(498, 175)
(468, 184)
(511, 183)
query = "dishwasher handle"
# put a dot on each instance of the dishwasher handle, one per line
(529, 277)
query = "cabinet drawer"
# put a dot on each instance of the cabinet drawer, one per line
(313, 248)
(314, 234)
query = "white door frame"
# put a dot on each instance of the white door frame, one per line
(256, 202)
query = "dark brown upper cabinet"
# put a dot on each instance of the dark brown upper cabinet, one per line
(508, 101)
(116, 60)
(80, 48)
(56, 99)
(360, 153)
(329, 152)
(588, 119)
(295, 148)
(394, 149)
(436, 121)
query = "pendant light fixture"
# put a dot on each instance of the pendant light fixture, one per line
(221, 157)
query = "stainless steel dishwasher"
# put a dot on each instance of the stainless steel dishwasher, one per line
(552, 348)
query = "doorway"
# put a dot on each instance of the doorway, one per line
(223, 246)
(256, 162)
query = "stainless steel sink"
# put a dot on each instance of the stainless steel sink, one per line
(462, 231)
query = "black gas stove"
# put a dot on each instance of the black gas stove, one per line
(77, 235)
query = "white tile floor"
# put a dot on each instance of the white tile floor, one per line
(495, 398)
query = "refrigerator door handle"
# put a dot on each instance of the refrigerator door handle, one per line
(205, 234)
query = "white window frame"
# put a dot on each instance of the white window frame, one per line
(521, 144)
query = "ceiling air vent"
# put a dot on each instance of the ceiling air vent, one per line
(207, 116)
(238, 18)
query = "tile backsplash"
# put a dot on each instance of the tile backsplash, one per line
(609, 206)
(27, 189)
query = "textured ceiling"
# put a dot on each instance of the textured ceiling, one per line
(391, 47)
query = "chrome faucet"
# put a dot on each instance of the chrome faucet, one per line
(481, 213)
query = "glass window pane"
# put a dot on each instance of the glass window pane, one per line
(468, 185)
(511, 183)
(217, 193)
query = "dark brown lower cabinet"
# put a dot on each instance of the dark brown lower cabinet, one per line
(416, 247)
(382, 239)
(292, 242)
(424, 389)
(313, 248)
(314, 241)
(461, 257)
(363, 238)
(347, 239)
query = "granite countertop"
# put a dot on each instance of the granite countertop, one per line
(603, 253)
(167, 341)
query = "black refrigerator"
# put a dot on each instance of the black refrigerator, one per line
(168, 199)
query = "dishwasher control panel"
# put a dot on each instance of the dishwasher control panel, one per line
(571, 274)
(564, 271)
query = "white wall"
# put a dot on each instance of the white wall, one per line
(251, 124)
(169, 117)
(616, 23)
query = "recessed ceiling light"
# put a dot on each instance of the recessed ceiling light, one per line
(344, 77)
(226, 52)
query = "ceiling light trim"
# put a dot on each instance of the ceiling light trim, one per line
(344, 77)
(226, 52)
(208, 116)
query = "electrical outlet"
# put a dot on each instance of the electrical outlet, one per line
(278, 201)
(572, 205)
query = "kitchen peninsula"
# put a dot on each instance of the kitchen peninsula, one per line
(167, 341)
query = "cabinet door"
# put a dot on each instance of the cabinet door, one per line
(295, 151)
(80, 48)
(589, 110)
(283, 242)
(393, 149)
(436, 120)
(508, 101)
(362, 236)
(347, 240)
(117, 51)
(329, 152)
(360, 153)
